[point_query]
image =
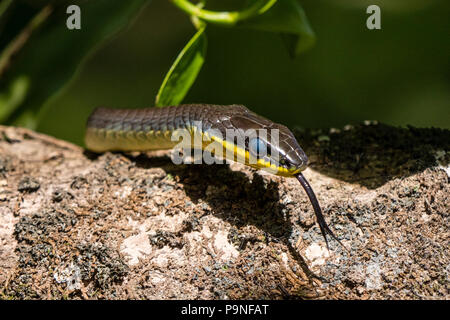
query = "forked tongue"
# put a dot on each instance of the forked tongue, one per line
(324, 229)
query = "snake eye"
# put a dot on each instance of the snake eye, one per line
(257, 147)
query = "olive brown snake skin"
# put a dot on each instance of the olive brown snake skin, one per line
(152, 129)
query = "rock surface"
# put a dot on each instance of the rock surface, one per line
(82, 226)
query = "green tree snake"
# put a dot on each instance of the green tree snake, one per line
(153, 129)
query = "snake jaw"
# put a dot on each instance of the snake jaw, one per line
(324, 229)
(149, 129)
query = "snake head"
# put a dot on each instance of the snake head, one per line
(272, 145)
(293, 158)
(285, 153)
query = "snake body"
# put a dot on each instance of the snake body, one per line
(152, 129)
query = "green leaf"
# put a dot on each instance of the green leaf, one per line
(183, 72)
(10, 99)
(53, 53)
(288, 19)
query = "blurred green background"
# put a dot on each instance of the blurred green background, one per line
(398, 75)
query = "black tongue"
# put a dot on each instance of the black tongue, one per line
(324, 229)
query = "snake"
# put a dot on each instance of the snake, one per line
(145, 129)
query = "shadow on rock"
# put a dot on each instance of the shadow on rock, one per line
(235, 198)
(372, 154)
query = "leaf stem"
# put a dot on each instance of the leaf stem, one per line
(227, 18)
(19, 41)
(4, 5)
